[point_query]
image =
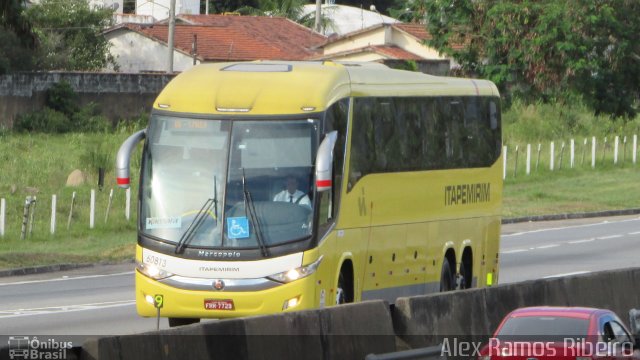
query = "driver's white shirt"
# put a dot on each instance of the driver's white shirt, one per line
(285, 196)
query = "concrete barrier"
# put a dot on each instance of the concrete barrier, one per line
(344, 332)
(356, 330)
(473, 315)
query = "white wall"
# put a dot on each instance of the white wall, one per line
(159, 9)
(136, 53)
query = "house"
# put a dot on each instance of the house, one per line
(343, 19)
(390, 43)
(211, 38)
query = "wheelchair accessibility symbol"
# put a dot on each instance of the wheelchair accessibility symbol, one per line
(237, 228)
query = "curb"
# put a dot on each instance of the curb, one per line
(571, 216)
(42, 269)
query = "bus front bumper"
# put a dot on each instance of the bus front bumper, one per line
(181, 303)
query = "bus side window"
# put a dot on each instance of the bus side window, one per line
(336, 119)
(362, 140)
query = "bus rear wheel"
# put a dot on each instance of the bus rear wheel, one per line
(447, 282)
(173, 322)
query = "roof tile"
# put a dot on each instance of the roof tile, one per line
(224, 38)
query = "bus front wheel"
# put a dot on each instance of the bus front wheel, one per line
(447, 282)
(173, 322)
(344, 290)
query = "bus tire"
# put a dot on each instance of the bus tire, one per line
(344, 290)
(173, 322)
(447, 282)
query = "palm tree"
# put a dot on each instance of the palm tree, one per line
(290, 9)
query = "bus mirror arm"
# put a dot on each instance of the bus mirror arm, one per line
(124, 157)
(324, 162)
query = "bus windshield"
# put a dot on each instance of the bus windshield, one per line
(228, 184)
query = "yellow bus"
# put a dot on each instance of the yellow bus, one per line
(269, 187)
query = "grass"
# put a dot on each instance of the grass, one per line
(39, 165)
(572, 191)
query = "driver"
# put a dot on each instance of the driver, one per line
(292, 195)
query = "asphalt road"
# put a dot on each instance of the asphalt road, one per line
(99, 300)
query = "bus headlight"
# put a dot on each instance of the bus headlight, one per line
(153, 271)
(297, 273)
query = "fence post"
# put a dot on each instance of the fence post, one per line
(92, 209)
(551, 156)
(584, 150)
(635, 147)
(53, 214)
(538, 158)
(32, 207)
(127, 209)
(624, 150)
(528, 159)
(25, 218)
(573, 153)
(73, 202)
(106, 216)
(515, 168)
(616, 142)
(2, 216)
(561, 156)
(593, 152)
(604, 148)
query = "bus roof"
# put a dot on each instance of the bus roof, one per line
(272, 87)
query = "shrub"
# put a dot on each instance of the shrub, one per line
(46, 121)
(63, 98)
(89, 119)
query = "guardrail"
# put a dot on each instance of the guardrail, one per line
(370, 330)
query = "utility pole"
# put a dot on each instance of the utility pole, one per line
(317, 23)
(172, 29)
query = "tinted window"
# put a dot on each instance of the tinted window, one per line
(335, 120)
(424, 133)
(543, 328)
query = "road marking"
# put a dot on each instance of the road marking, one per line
(609, 237)
(634, 233)
(568, 227)
(548, 246)
(66, 278)
(63, 309)
(582, 241)
(566, 274)
(514, 251)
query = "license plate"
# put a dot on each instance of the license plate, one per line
(215, 304)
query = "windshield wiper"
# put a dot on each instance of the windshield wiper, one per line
(250, 211)
(215, 196)
(195, 224)
(199, 219)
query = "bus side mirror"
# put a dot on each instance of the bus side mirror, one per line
(634, 326)
(324, 162)
(124, 156)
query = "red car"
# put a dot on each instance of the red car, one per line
(575, 333)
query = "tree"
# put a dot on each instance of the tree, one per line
(543, 49)
(14, 56)
(17, 40)
(290, 9)
(223, 6)
(70, 34)
(12, 19)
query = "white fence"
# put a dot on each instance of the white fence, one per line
(30, 202)
(599, 154)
